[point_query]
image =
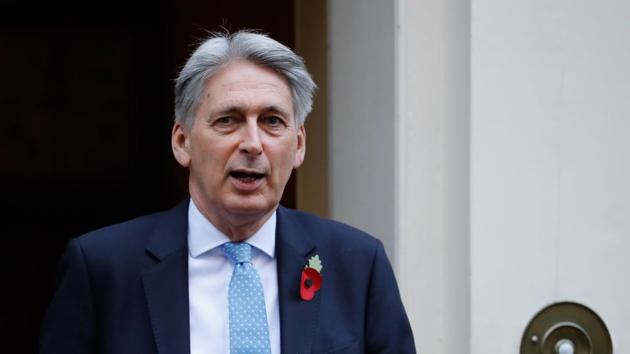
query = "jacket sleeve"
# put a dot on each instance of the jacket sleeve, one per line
(387, 326)
(68, 325)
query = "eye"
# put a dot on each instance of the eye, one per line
(224, 124)
(273, 121)
(223, 121)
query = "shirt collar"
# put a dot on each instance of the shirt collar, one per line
(203, 236)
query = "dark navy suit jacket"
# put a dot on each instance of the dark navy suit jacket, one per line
(124, 289)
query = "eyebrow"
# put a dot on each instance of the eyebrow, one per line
(226, 110)
(236, 110)
(275, 109)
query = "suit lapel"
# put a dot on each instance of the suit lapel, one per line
(166, 282)
(298, 318)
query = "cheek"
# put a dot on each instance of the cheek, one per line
(284, 160)
(208, 161)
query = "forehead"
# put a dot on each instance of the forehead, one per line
(244, 82)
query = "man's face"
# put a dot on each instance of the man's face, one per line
(243, 144)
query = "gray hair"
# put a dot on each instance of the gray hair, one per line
(222, 48)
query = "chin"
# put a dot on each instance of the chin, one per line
(250, 206)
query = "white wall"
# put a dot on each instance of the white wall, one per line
(488, 144)
(550, 163)
(398, 118)
(433, 171)
(361, 116)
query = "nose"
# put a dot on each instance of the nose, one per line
(250, 140)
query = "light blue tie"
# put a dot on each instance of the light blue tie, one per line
(249, 333)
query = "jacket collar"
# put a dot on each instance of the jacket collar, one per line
(170, 232)
(298, 318)
(166, 282)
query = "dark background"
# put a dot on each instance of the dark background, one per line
(86, 107)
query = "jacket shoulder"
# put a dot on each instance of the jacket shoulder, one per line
(332, 232)
(121, 232)
(166, 230)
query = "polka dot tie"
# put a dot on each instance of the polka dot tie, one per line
(249, 333)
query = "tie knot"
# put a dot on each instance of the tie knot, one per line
(238, 252)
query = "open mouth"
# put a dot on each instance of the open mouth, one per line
(246, 177)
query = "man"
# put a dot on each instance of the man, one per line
(229, 270)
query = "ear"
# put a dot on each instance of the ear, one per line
(180, 144)
(301, 147)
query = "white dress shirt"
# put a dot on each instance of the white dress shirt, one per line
(209, 274)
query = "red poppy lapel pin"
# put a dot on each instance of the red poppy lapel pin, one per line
(311, 278)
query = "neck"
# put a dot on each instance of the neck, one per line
(237, 228)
